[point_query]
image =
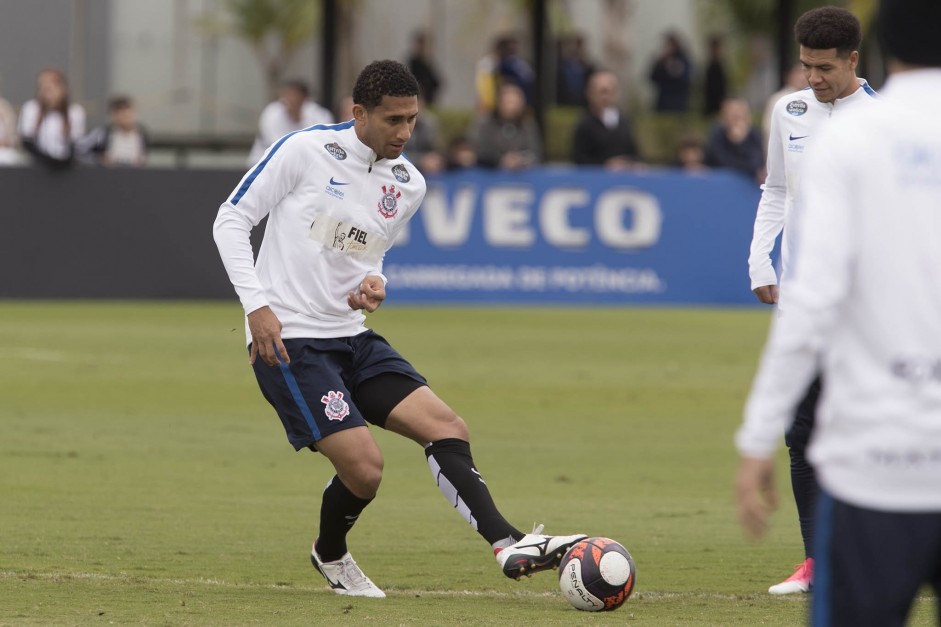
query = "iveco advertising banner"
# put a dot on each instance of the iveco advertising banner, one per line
(578, 236)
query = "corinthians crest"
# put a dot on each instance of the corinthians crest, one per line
(336, 408)
(389, 202)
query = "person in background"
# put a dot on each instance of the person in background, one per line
(508, 139)
(672, 75)
(829, 39)
(460, 154)
(503, 64)
(50, 124)
(344, 109)
(690, 153)
(423, 147)
(734, 142)
(421, 66)
(860, 309)
(9, 142)
(292, 111)
(572, 71)
(604, 134)
(793, 81)
(716, 83)
(123, 142)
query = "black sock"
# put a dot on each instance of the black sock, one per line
(453, 468)
(338, 513)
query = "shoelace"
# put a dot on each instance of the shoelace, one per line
(353, 573)
(537, 529)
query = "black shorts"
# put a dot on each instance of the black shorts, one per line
(869, 565)
(335, 384)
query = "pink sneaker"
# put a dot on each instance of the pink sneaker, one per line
(801, 581)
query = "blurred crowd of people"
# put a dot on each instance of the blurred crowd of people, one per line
(51, 128)
(504, 134)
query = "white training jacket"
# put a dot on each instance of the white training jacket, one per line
(333, 209)
(796, 120)
(865, 303)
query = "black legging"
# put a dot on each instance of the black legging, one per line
(803, 477)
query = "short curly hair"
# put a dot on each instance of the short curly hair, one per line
(383, 78)
(829, 27)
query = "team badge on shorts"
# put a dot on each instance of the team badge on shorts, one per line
(335, 407)
(389, 202)
(400, 172)
(335, 151)
(797, 107)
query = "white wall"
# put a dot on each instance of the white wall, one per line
(184, 79)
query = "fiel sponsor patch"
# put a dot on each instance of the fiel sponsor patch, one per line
(342, 236)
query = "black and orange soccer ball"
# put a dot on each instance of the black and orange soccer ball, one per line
(597, 575)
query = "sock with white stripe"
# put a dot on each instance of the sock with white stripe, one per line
(460, 483)
(339, 511)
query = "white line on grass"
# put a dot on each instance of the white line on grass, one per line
(200, 581)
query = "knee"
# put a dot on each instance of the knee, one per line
(363, 477)
(458, 427)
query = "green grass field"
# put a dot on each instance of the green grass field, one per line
(143, 479)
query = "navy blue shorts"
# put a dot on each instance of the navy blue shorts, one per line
(316, 394)
(869, 565)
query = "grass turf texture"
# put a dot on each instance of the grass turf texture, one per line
(143, 479)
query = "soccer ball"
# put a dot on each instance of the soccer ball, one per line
(597, 575)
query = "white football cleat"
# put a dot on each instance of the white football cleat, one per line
(535, 553)
(345, 577)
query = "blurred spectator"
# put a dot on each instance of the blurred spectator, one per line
(292, 111)
(461, 154)
(345, 109)
(690, 153)
(423, 147)
(672, 75)
(572, 71)
(716, 83)
(419, 62)
(8, 139)
(604, 135)
(508, 138)
(794, 81)
(734, 142)
(120, 142)
(50, 124)
(763, 79)
(502, 65)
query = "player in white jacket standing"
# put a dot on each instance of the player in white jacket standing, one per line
(336, 197)
(829, 39)
(864, 303)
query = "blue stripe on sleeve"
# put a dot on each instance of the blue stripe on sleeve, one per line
(261, 164)
(298, 397)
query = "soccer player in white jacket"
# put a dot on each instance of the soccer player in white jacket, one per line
(829, 39)
(336, 197)
(864, 303)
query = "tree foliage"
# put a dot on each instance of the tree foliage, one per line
(275, 29)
